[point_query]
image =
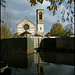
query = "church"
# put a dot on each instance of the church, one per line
(29, 27)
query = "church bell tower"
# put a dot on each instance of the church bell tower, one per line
(40, 21)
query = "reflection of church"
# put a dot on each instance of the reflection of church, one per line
(27, 26)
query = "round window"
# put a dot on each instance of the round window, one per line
(26, 27)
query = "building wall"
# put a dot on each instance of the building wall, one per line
(40, 22)
(23, 44)
(20, 26)
(37, 41)
(37, 16)
(40, 32)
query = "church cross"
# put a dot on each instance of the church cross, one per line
(26, 16)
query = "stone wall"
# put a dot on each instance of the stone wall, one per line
(65, 43)
(44, 44)
(37, 41)
(23, 44)
(57, 44)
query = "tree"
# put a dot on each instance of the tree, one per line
(68, 27)
(2, 3)
(5, 32)
(48, 34)
(55, 4)
(57, 30)
(16, 36)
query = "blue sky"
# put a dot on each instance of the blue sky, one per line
(19, 9)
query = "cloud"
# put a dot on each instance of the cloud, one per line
(21, 8)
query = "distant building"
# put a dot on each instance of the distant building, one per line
(27, 25)
(72, 35)
(48, 34)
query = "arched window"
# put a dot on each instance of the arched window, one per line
(40, 15)
(40, 28)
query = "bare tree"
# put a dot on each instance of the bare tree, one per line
(2, 3)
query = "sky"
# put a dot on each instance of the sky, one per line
(19, 9)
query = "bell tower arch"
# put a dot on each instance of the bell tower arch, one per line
(40, 21)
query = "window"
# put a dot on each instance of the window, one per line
(40, 28)
(26, 27)
(40, 15)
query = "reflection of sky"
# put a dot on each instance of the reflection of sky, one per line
(50, 69)
(18, 9)
(32, 69)
(19, 71)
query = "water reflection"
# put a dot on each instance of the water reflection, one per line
(40, 63)
(58, 58)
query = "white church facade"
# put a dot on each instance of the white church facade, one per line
(27, 26)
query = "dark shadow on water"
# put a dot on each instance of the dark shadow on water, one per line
(19, 60)
(48, 53)
(7, 71)
(58, 58)
(26, 61)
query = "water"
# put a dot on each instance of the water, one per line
(40, 63)
(50, 69)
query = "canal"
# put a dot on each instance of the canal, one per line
(40, 63)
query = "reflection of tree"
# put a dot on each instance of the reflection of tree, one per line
(58, 64)
(58, 58)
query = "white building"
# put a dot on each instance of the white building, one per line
(27, 25)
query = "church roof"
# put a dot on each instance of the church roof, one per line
(27, 20)
(24, 33)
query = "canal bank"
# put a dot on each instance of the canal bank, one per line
(65, 45)
(25, 45)
(29, 44)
